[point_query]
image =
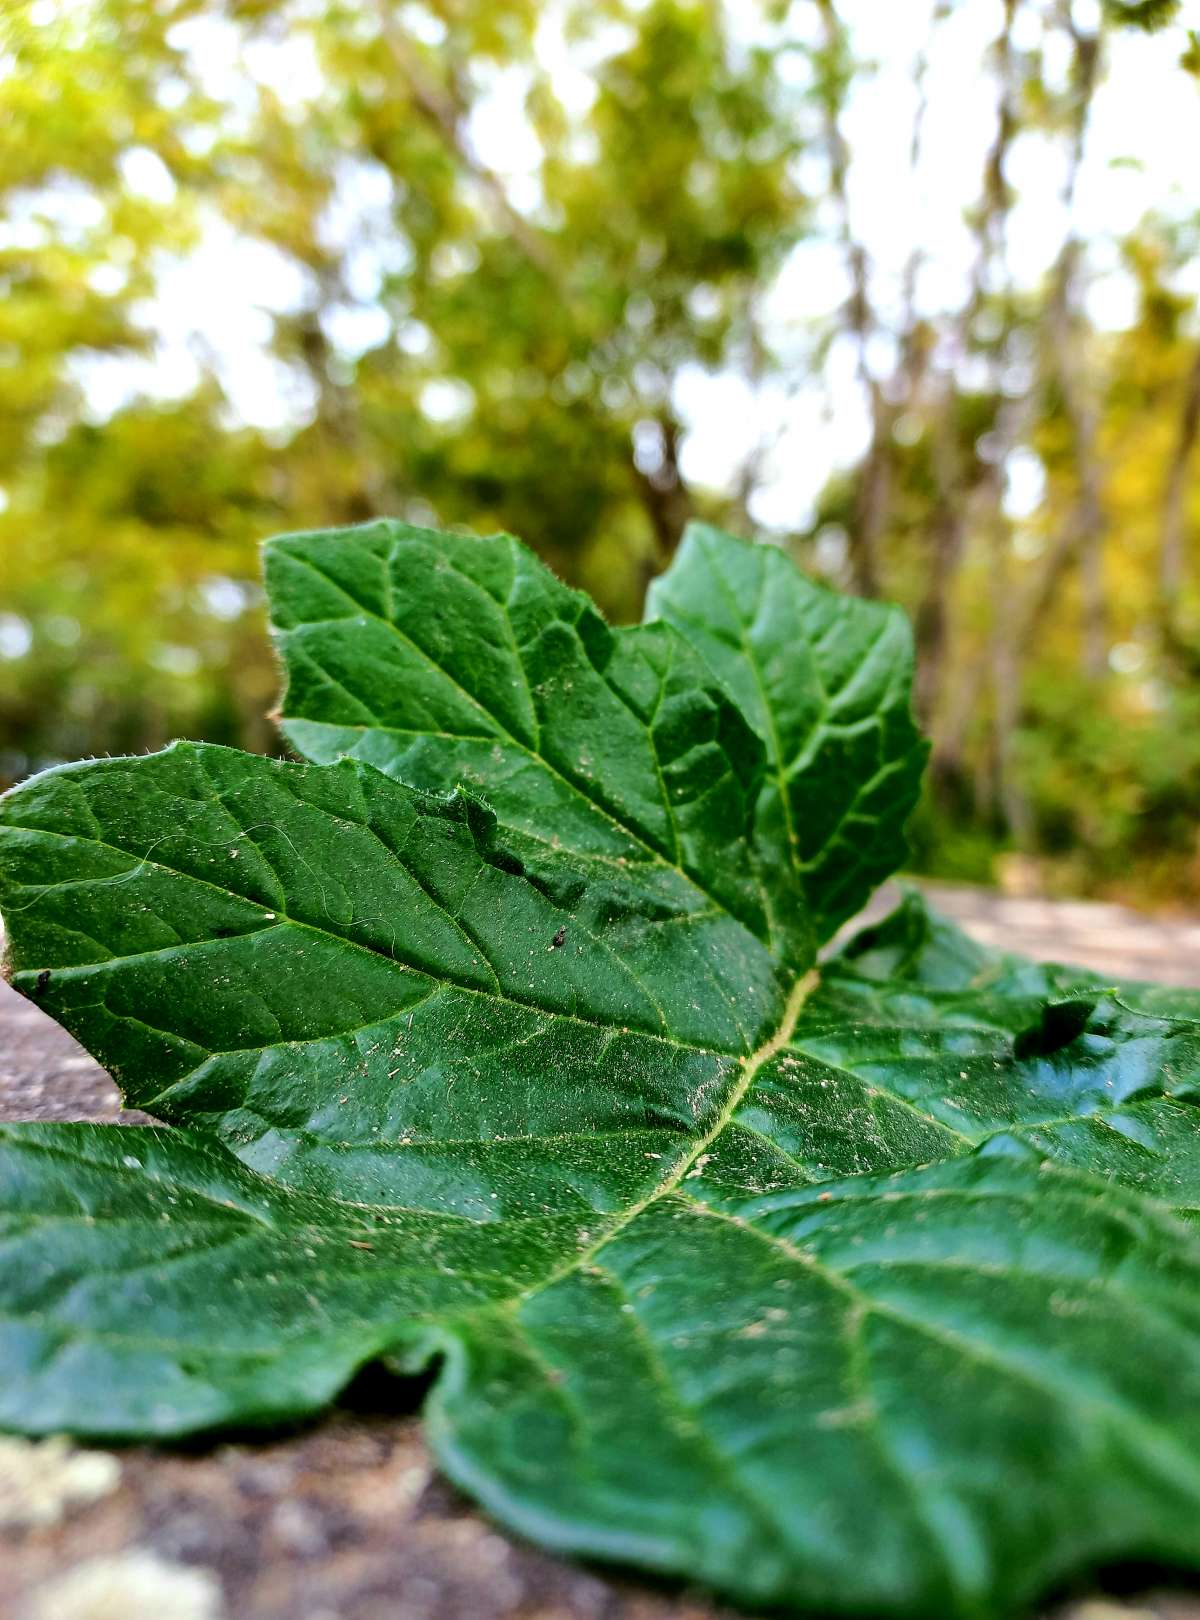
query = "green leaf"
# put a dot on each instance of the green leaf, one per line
(1148, 15)
(152, 1285)
(331, 970)
(869, 1289)
(935, 1047)
(931, 1393)
(445, 660)
(825, 681)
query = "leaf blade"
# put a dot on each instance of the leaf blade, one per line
(152, 1285)
(855, 1522)
(443, 659)
(305, 959)
(825, 681)
(876, 1294)
(736, 1392)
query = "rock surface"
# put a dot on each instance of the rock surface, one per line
(345, 1519)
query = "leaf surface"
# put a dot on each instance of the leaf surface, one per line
(873, 1289)
(151, 1285)
(932, 1392)
(934, 1047)
(825, 680)
(445, 660)
(690, 1297)
(332, 971)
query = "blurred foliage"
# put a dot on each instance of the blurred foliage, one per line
(454, 345)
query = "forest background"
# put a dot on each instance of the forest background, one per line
(908, 289)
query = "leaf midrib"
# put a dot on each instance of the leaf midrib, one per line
(801, 990)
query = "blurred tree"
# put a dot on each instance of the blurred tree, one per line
(459, 335)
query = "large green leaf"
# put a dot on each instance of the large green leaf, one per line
(870, 1290)
(930, 1393)
(673, 1331)
(825, 680)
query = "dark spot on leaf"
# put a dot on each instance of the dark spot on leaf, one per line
(1059, 1024)
(43, 979)
(559, 938)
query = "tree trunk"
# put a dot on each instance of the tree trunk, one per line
(665, 497)
(948, 534)
(871, 505)
(957, 491)
(1087, 526)
(1172, 549)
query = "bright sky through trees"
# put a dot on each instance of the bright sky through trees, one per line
(213, 305)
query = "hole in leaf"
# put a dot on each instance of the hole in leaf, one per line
(1060, 1023)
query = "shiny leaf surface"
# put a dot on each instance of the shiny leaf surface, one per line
(825, 680)
(443, 660)
(871, 1288)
